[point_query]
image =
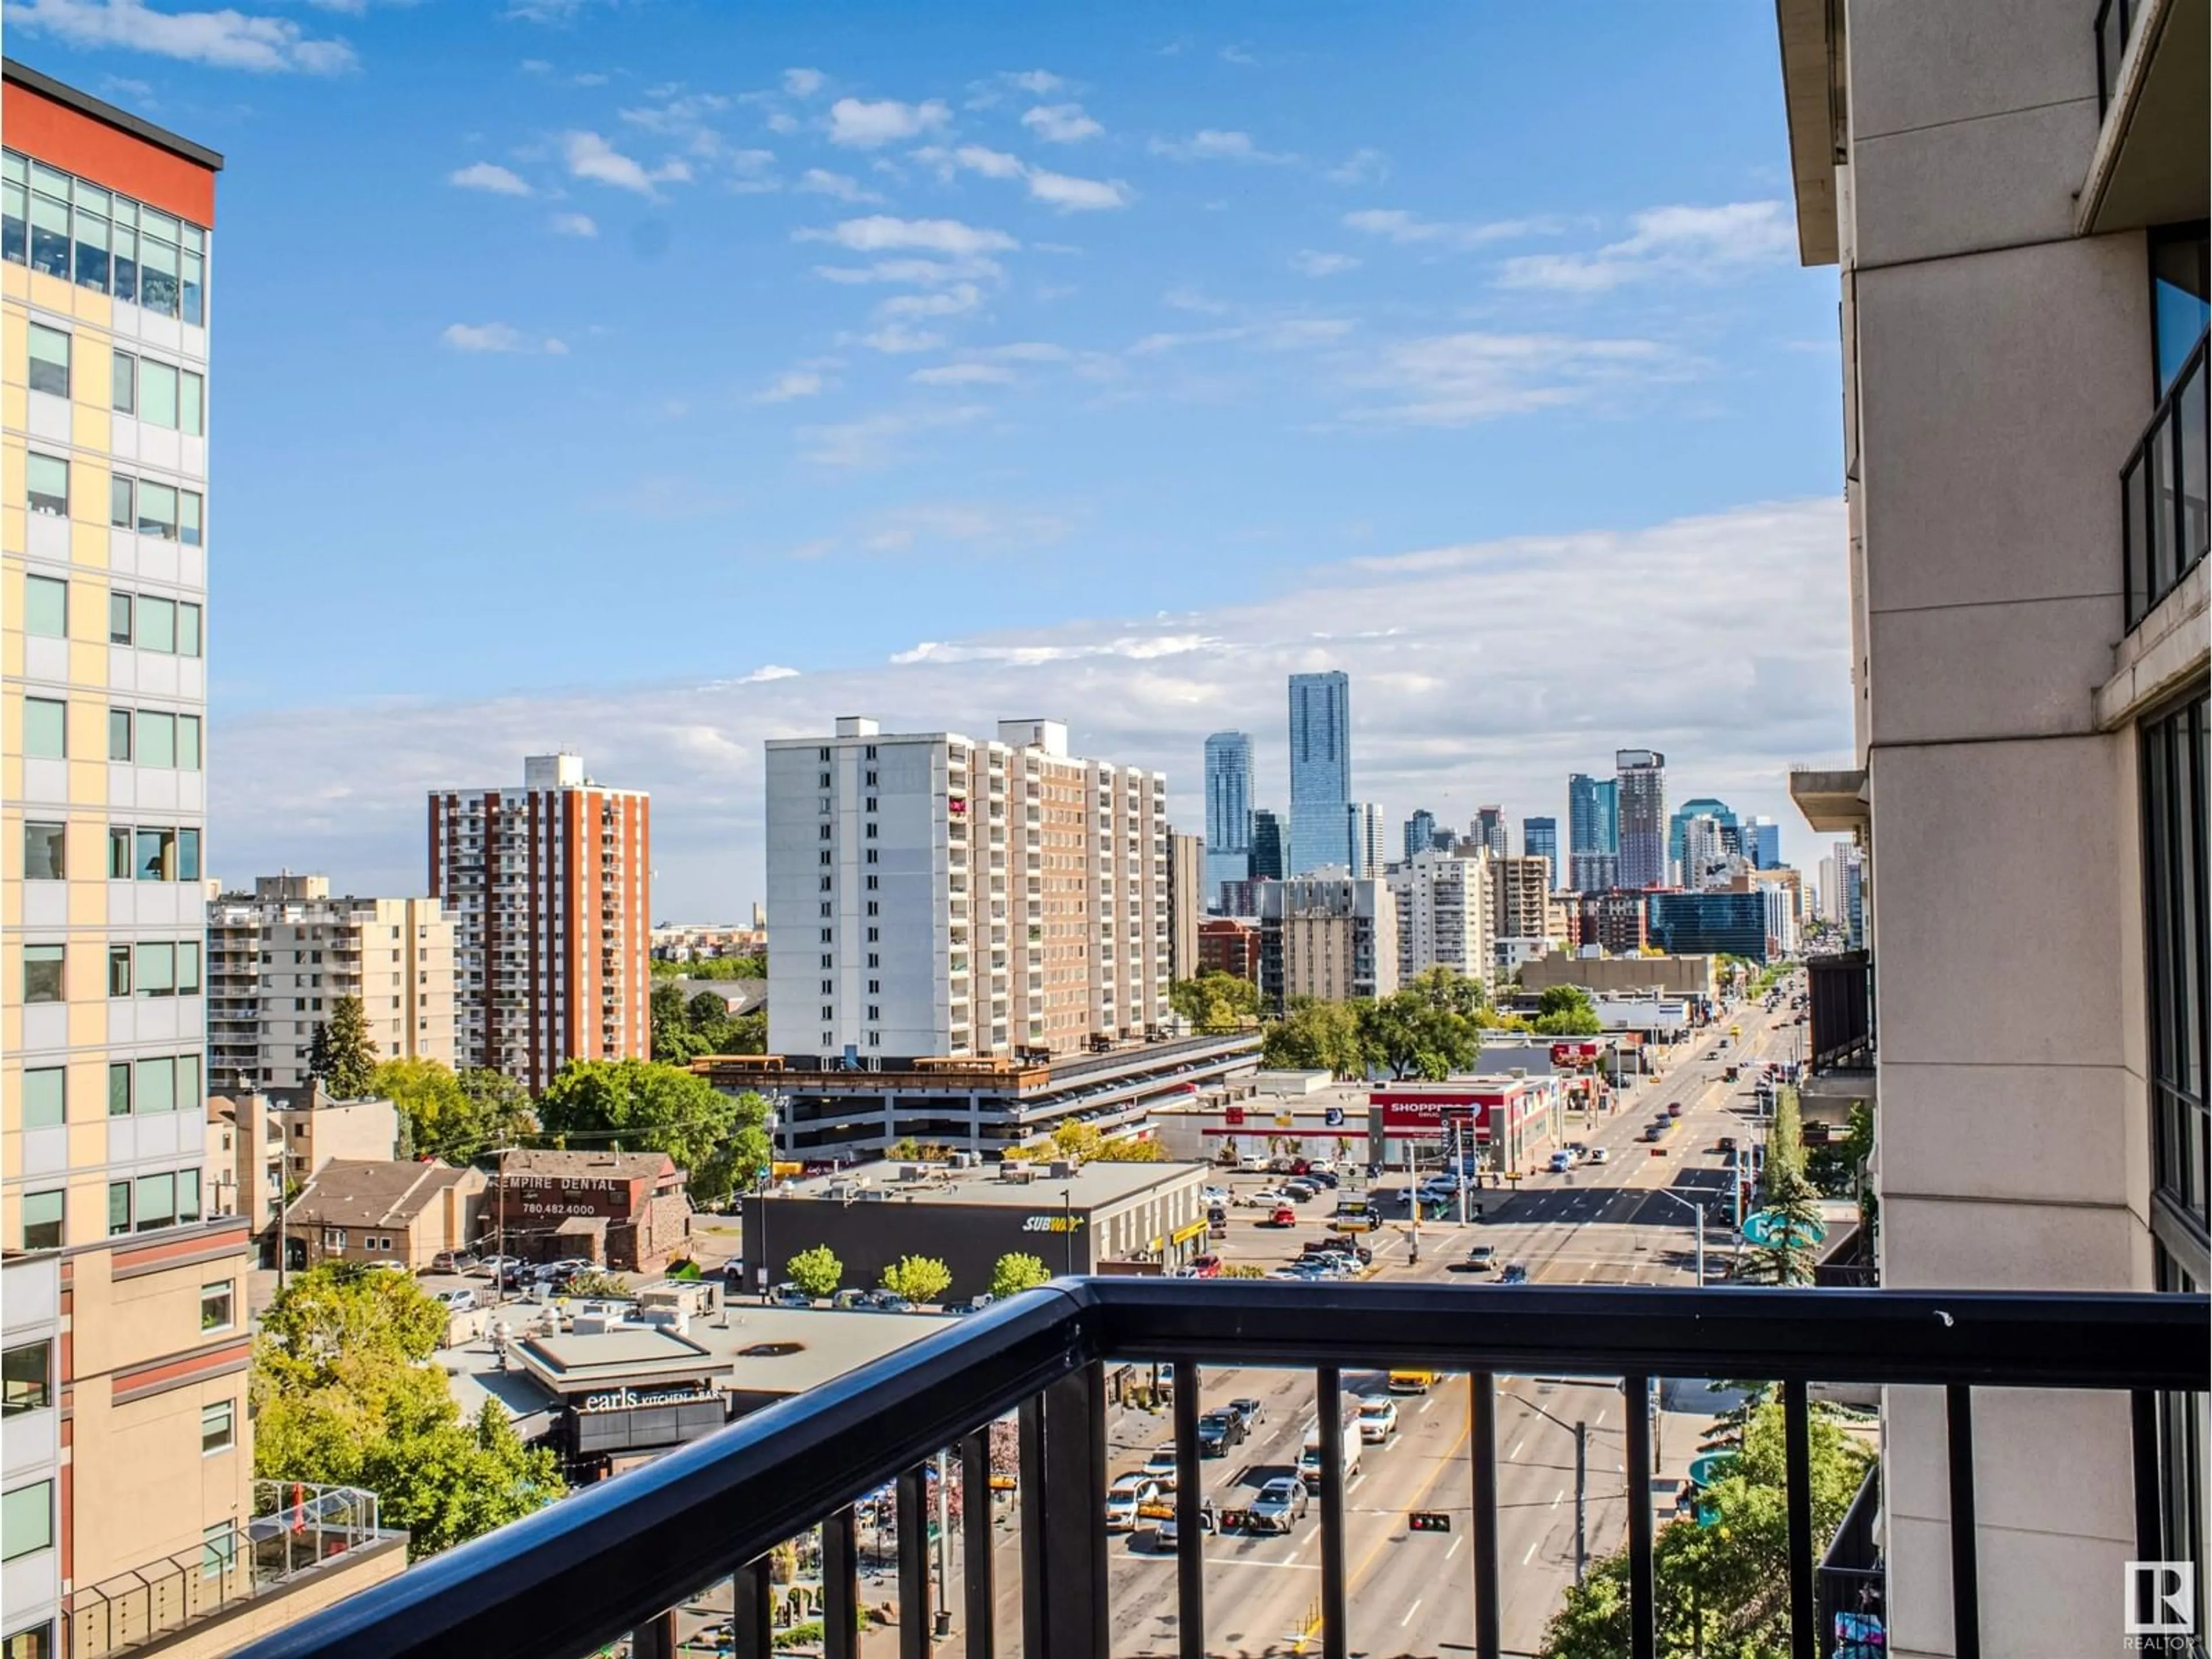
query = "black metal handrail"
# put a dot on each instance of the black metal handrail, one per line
(615, 1557)
(2165, 517)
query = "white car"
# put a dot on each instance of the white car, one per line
(1160, 1468)
(1128, 1493)
(1600, 1155)
(459, 1301)
(1378, 1420)
(1214, 1195)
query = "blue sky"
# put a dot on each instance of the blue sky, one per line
(583, 368)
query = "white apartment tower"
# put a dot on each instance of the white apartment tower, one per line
(1443, 908)
(279, 956)
(549, 889)
(930, 895)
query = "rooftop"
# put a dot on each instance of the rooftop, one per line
(122, 120)
(372, 1191)
(1091, 1186)
(585, 1165)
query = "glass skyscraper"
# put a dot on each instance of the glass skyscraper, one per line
(1593, 832)
(1539, 839)
(1704, 806)
(1227, 811)
(1420, 831)
(1762, 843)
(1266, 845)
(1321, 771)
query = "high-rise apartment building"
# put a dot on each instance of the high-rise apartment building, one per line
(1442, 911)
(279, 956)
(2016, 199)
(127, 1445)
(1188, 894)
(1269, 850)
(1420, 831)
(1540, 838)
(931, 895)
(1362, 830)
(1642, 776)
(1228, 811)
(1520, 894)
(1593, 833)
(1488, 832)
(1703, 806)
(1762, 843)
(1328, 935)
(1707, 859)
(1615, 921)
(1321, 771)
(549, 890)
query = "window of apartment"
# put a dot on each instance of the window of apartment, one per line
(27, 1382)
(2181, 295)
(46, 607)
(118, 1088)
(45, 851)
(218, 1550)
(125, 381)
(45, 728)
(826, 832)
(2175, 846)
(829, 1014)
(118, 734)
(42, 1220)
(26, 1520)
(218, 1306)
(157, 1201)
(825, 855)
(154, 1088)
(218, 1427)
(45, 481)
(121, 500)
(50, 360)
(42, 973)
(45, 1098)
(118, 1204)
(118, 971)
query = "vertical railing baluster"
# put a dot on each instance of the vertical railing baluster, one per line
(1966, 1586)
(1063, 1518)
(978, 1587)
(1643, 1602)
(655, 1638)
(1797, 1463)
(913, 1521)
(841, 1586)
(752, 1605)
(2150, 1524)
(1328, 1403)
(1482, 1435)
(1189, 1503)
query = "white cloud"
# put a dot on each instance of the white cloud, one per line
(1455, 652)
(1306, 263)
(573, 224)
(898, 340)
(1061, 124)
(803, 82)
(978, 525)
(766, 672)
(864, 126)
(1211, 144)
(591, 156)
(962, 374)
(873, 440)
(955, 301)
(1397, 225)
(228, 38)
(820, 181)
(991, 163)
(789, 386)
(1069, 195)
(880, 233)
(677, 112)
(1362, 166)
(499, 337)
(1703, 244)
(489, 175)
(1038, 82)
(921, 273)
(1457, 379)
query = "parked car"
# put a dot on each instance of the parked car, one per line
(849, 1300)
(1378, 1420)
(1299, 1189)
(1123, 1497)
(788, 1295)
(457, 1301)
(1252, 1163)
(1206, 1266)
(888, 1302)
(495, 1266)
(1321, 1177)
(1281, 1504)
(389, 1264)
(1284, 1216)
(453, 1262)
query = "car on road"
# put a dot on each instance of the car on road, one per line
(1673, 1109)
(1167, 1534)
(1284, 1216)
(1725, 1144)
(1214, 1195)
(1378, 1419)
(1479, 1259)
(1123, 1497)
(1160, 1468)
(1562, 1161)
(1411, 1382)
(1249, 1412)
(1217, 1432)
(1651, 1132)
(1600, 1155)
(1517, 1273)
(1281, 1505)
(1206, 1266)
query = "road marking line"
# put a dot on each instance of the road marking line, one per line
(1532, 1551)
(1454, 1550)
(1232, 1561)
(1557, 1496)
(1516, 1452)
(1425, 1404)
(1410, 1612)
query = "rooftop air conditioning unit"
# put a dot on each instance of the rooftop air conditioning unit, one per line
(1062, 1170)
(914, 1172)
(1021, 1173)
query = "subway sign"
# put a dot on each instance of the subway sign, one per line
(1053, 1223)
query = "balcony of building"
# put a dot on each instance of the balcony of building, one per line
(1029, 1400)
(1839, 1068)
(2149, 165)
(306, 1547)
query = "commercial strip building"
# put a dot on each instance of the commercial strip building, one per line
(827, 1116)
(2016, 202)
(280, 957)
(931, 897)
(1694, 977)
(1327, 935)
(549, 887)
(1075, 1218)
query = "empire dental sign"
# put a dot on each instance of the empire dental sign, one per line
(562, 1195)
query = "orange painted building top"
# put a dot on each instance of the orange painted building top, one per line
(67, 128)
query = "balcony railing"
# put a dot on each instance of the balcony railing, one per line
(620, 1558)
(1839, 1000)
(2164, 510)
(2116, 21)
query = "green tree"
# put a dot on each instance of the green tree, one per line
(1313, 1035)
(1784, 1163)
(643, 1105)
(1076, 1140)
(1017, 1271)
(454, 1116)
(750, 967)
(1567, 1011)
(673, 1043)
(341, 1054)
(817, 1272)
(917, 1277)
(501, 1105)
(1722, 1590)
(1127, 1148)
(1215, 1002)
(1431, 1028)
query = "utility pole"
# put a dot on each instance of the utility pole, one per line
(1582, 1489)
(1414, 1200)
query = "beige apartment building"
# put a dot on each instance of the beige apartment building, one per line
(1623, 975)
(279, 956)
(2015, 197)
(1520, 896)
(1186, 902)
(262, 1144)
(1327, 935)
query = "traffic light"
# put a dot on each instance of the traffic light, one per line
(1427, 1520)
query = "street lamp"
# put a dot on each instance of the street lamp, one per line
(1067, 1226)
(1698, 1215)
(1581, 1431)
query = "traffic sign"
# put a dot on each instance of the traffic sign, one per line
(1709, 1466)
(1427, 1520)
(1769, 1228)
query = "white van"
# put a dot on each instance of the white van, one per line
(1310, 1454)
